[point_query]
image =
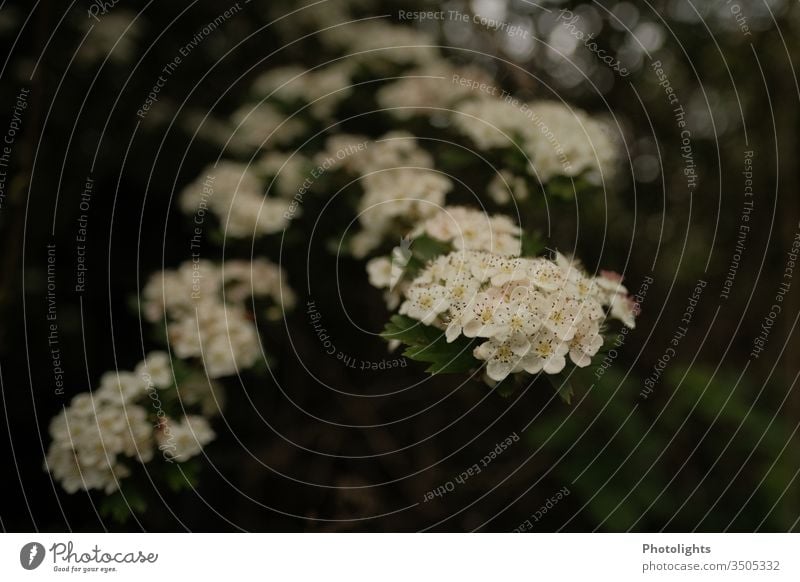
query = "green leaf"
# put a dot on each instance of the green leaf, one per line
(424, 249)
(120, 505)
(458, 364)
(409, 331)
(562, 187)
(427, 344)
(180, 476)
(532, 244)
(563, 387)
(455, 158)
(515, 160)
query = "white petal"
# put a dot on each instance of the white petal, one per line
(532, 364)
(498, 370)
(453, 331)
(554, 364)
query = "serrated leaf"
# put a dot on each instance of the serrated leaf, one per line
(425, 343)
(409, 331)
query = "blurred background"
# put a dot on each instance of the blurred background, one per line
(707, 443)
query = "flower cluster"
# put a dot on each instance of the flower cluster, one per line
(461, 228)
(522, 314)
(287, 173)
(321, 89)
(204, 308)
(422, 91)
(101, 434)
(234, 193)
(400, 188)
(470, 229)
(532, 312)
(399, 179)
(556, 139)
(255, 125)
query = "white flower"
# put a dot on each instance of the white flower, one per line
(506, 187)
(546, 354)
(379, 271)
(427, 89)
(114, 38)
(507, 270)
(399, 187)
(585, 343)
(566, 141)
(546, 275)
(156, 368)
(483, 317)
(93, 437)
(517, 318)
(288, 172)
(625, 309)
(365, 241)
(557, 140)
(502, 357)
(181, 440)
(462, 288)
(559, 315)
(472, 229)
(425, 303)
(234, 193)
(323, 88)
(490, 122)
(552, 305)
(396, 196)
(122, 386)
(200, 324)
(256, 278)
(260, 125)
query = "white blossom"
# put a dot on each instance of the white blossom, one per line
(502, 357)
(531, 312)
(471, 229)
(181, 440)
(96, 437)
(156, 368)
